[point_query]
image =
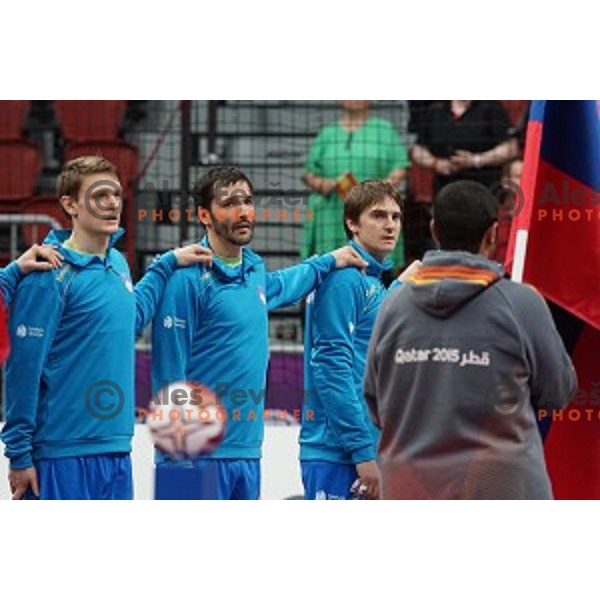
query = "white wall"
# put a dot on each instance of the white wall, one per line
(280, 467)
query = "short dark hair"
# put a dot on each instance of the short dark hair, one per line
(206, 188)
(366, 194)
(463, 211)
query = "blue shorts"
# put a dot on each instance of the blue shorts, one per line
(324, 480)
(208, 479)
(96, 477)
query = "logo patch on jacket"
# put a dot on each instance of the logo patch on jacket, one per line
(261, 294)
(24, 331)
(372, 290)
(171, 321)
(126, 282)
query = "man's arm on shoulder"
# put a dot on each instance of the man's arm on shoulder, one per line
(149, 290)
(289, 286)
(10, 277)
(35, 315)
(37, 258)
(173, 328)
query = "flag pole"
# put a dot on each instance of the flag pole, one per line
(519, 257)
(522, 220)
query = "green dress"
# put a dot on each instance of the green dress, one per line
(372, 151)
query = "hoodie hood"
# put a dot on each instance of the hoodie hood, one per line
(449, 280)
(58, 237)
(374, 267)
(230, 274)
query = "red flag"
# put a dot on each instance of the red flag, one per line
(555, 246)
(573, 444)
(559, 221)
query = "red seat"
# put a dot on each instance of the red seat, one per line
(13, 114)
(50, 206)
(84, 120)
(20, 165)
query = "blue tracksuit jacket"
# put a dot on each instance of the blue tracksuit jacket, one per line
(212, 328)
(70, 374)
(339, 320)
(10, 277)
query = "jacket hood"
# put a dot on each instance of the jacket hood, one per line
(449, 280)
(226, 273)
(58, 237)
(374, 267)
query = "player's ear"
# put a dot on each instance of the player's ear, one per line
(69, 205)
(492, 233)
(488, 243)
(434, 231)
(352, 226)
(204, 217)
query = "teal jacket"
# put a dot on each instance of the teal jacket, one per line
(339, 320)
(212, 328)
(70, 374)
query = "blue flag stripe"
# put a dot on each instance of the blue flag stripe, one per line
(571, 139)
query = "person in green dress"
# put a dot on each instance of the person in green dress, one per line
(356, 147)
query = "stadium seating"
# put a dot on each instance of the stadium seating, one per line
(85, 120)
(20, 165)
(45, 205)
(92, 127)
(13, 114)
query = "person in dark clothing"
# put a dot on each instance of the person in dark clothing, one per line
(460, 361)
(464, 139)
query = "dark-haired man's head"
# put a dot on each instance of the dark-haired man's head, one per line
(465, 217)
(225, 203)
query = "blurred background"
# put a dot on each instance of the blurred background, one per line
(302, 157)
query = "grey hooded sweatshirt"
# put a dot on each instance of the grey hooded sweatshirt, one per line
(461, 364)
